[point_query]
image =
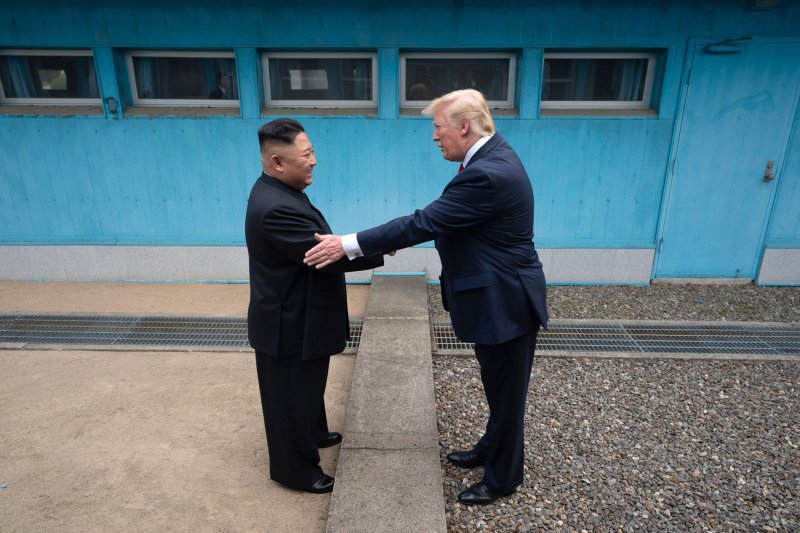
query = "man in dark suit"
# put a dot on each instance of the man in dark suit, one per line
(492, 280)
(220, 92)
(297, 316)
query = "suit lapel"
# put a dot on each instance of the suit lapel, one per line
(318, 215)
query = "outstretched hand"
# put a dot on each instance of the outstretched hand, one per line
(328, 251)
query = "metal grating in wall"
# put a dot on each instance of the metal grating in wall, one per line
(650, 338)
(138, 331)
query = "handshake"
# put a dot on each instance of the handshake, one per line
(328, 250)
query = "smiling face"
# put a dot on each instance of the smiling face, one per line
(451, 138)
(293, 164)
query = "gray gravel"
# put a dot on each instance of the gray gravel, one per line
(636, 445)
(664, 302)
(640, 445)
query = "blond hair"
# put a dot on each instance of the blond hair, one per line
(465, 104)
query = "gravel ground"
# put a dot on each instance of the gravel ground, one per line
(640, 445)
(636, 445)
(664, 302)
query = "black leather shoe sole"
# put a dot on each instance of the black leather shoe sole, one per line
(322, 485)
(333, 439)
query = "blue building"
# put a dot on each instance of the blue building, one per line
(662, 137)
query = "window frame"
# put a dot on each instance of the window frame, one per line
(647, 92)
(509, 103)
(269, 102)
(61, 52)
(178, 102)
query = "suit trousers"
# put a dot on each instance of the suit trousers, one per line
(505, 373)
(293, 403)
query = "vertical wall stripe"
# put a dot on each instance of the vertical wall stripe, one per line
(247, 70)
(107, 78)
(530, 81)
(388, 87)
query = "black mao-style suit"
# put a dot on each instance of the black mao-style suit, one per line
(492, 284)
(297, 318)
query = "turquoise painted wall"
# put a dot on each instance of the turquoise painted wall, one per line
(115, 179)
(784, 232)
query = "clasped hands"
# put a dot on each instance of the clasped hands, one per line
(328, 250)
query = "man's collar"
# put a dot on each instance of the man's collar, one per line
(475, 147)
(269, 178)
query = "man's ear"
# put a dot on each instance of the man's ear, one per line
(271, 161)
(465, 126)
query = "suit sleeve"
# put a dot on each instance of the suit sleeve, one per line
(466, 203)
(292, 233)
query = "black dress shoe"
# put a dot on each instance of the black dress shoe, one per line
(332, 439)
(322, 485)
(479, 494)
(468, 459)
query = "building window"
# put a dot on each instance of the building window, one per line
(425, 76)
(183, 78)
(320, 79)
(55, 77)
(597, 80)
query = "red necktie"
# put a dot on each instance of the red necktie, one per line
(460, 167)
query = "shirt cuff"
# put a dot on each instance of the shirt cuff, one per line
(351, 247)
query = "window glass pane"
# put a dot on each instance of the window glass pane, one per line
(185, 78)
(25, 76)
(430, 77)
(594, 79)
(320, 78)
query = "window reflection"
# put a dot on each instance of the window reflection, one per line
(46, 77)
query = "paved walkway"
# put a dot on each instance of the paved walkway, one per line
(145, 441)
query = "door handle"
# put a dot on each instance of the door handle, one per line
(769, 175)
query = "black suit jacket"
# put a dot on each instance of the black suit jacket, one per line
(492, 280)
(295, 310)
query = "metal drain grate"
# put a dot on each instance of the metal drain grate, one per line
(650, 338)
(135, 331)
(231, 333)
(356, 325)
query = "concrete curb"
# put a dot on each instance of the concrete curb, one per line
(389, 472)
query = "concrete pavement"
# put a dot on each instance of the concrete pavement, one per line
(145, 441)
(389, 477)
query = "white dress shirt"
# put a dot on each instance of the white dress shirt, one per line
(350, 242)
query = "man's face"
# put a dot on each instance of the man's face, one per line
(298, 162)
(448, 136)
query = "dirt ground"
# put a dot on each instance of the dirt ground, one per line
(218, 299)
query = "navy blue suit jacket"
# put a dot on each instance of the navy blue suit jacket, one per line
(492, 280)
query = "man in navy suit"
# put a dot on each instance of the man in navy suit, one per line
(297, 316)
(492, 280)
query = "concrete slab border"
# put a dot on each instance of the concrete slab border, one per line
(389, 473)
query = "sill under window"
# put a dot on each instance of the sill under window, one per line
(496, 112)
(167, 111)
(321, 111)
(608, 112)
(51, 110)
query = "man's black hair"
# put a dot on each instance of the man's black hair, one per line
(280, 130)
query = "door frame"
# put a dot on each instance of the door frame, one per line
(680, 111)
